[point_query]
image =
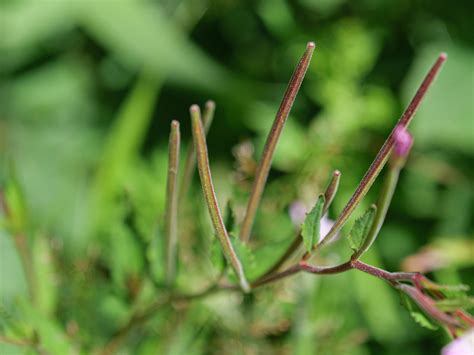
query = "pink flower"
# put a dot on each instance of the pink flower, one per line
(461, 346)
(297, 212)
(403, 141)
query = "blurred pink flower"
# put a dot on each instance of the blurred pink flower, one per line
(461, 346)
(298, 211)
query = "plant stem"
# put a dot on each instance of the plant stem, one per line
(383, 204)
(428, 305)
(264, 165)
(383, 154)
(326, 270)
(277, 276)
(210, 197)
(190, 164)
(331, 190)
(382, 274)
(171, 211)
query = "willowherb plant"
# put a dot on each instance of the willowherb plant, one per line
(425, 300)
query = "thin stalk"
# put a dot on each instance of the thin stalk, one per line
(278, 276)
(326, 270)
(190, 164)
(331, 190)
(171, 212)
(428, 305)
(210, 197)
(264, 165)
(382, 274)
(384, 153)
(383, 204)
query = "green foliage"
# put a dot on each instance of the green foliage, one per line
(311, 228)
(14, 218)
(87, 93)
(453, 304)
(416, 313)
(361, 228)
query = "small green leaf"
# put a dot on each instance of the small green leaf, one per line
(452, 304)
(420, 318)
(448, 291)
(361, 228)
(46, 290)
(16, 217)
(312, 224)
(246, 257)
(416, 313)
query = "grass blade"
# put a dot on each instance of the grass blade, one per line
(210, 197)
(171, 210)
(263, 168)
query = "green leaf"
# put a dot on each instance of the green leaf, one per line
(449, 291)
(416, 313)
(312, 224)
(361, 228)
(420, 318)
(122, 145)
(46, 289)
(246, 257)
(138, 32)
(452, 304)
(124, 254)
(53, 338)
(16, 217)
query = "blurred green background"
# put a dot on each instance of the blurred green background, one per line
(88, 90)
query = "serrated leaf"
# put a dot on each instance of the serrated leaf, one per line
(246, 257)
(449, 291)
(312, 224)
(416, 313)
(420, 318)
(361, 228)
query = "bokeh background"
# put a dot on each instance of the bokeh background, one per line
(88, 90)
